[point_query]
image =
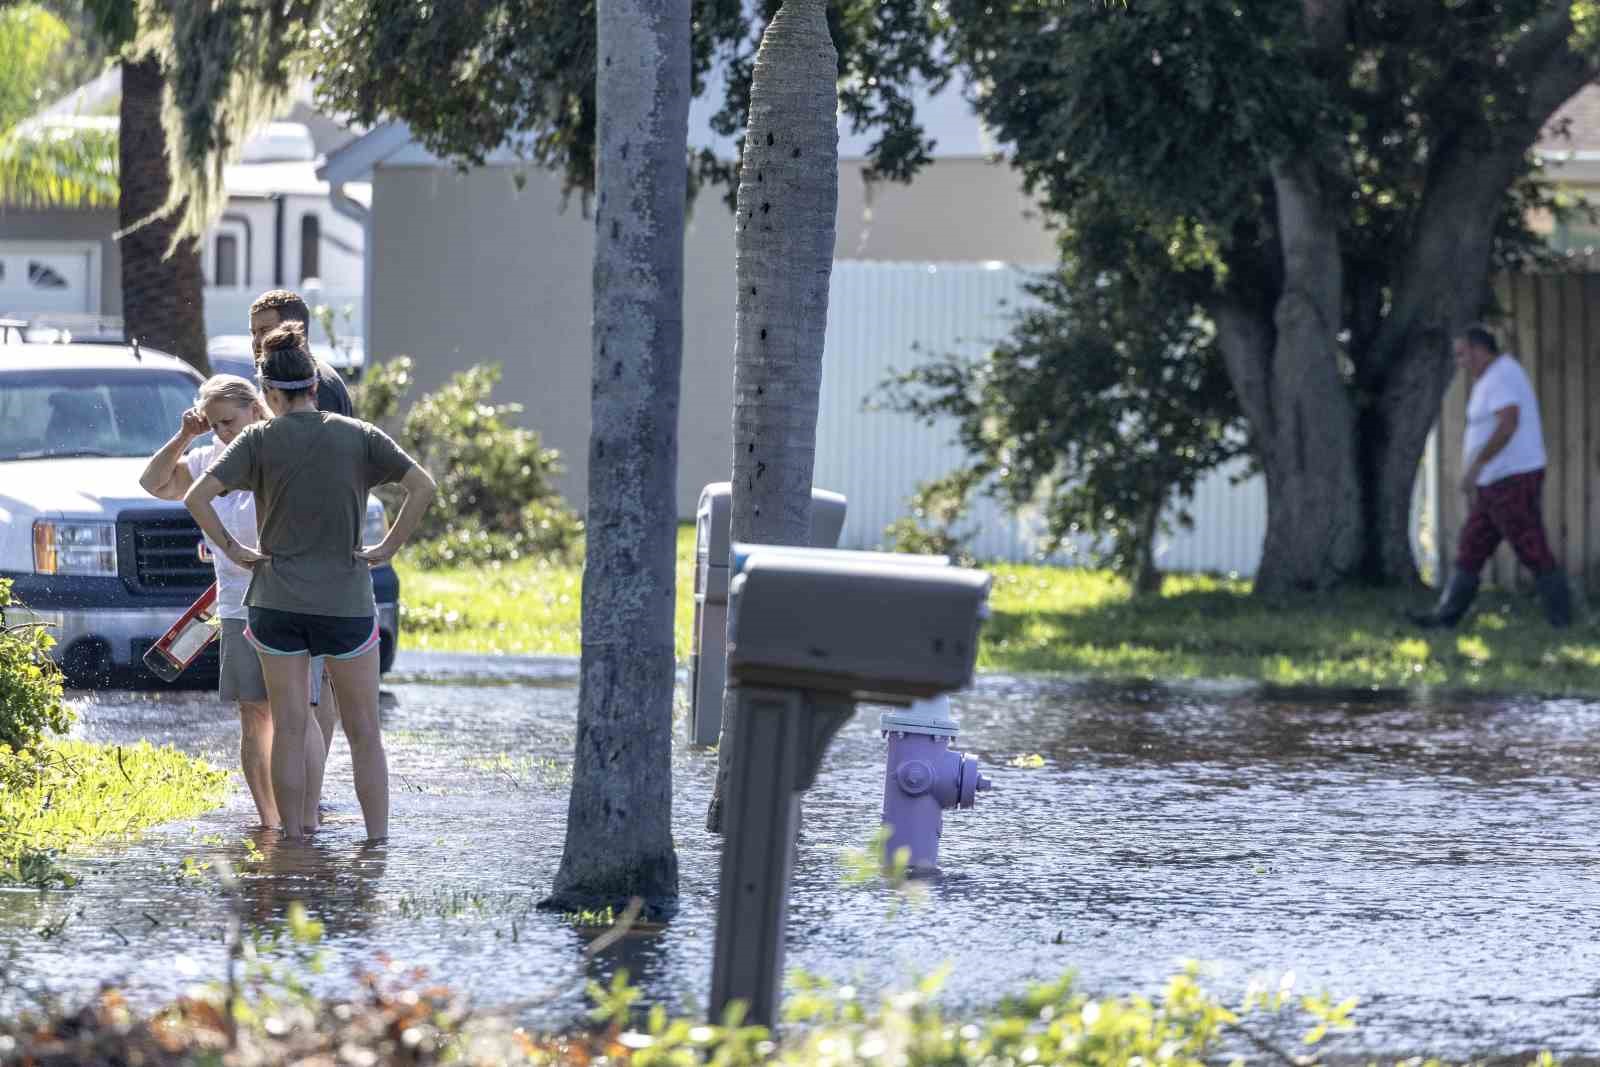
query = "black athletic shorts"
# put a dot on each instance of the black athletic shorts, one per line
(294, 633)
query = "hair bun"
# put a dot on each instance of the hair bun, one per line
(290, 335)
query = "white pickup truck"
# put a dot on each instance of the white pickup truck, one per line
(88, 552)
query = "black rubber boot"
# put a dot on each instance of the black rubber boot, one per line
(1557, 598)
(1457, 597)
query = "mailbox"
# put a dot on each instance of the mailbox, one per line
(813, 632)
(871, 626)
(707, 659)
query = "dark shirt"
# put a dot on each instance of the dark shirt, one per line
(332, 395)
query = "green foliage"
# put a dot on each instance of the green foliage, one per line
(59, 794)
(1176, 111)
(30, 40)
(397, 1019)
(30, 684)
(230, 68)
(1108, 401)
(934, 526)
(471, 78)
(495, 501)
(58, 166)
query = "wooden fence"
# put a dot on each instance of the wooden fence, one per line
(1552, 323)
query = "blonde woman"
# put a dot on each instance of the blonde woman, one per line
(227, 405)
(311, 588)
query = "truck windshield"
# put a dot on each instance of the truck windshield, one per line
(82, 412)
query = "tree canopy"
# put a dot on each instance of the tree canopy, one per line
(1334, 183)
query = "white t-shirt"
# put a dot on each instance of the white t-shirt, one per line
(1504, 384)
(237, 510)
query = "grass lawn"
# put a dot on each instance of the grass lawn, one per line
(1079, 622)
(74, 792)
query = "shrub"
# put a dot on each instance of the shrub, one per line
(403, 1018)
(496, 501)
(932, 528)
(30, 684)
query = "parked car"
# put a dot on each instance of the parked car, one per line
(88, 552)
(230, 351)
(59, 328)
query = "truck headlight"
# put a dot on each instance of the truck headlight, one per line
(75, 548)
(376, 525)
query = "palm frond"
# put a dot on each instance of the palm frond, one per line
(230, 70)
(71, 166)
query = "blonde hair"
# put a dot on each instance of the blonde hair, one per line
(231, 387)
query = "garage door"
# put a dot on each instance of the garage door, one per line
(41, 277)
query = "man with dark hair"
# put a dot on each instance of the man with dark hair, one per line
(1503, 448)
(277, 306)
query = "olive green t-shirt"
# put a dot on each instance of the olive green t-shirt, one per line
(311, 472)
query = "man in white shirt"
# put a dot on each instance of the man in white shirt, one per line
(1503, 447)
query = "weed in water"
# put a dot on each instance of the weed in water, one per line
(65, 793)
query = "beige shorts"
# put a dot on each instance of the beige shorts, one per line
(241, 668)
(241, 678)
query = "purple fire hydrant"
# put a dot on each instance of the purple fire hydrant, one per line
(924, 778)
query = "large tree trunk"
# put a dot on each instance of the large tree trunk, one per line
(788, 197)
(1287, 375)
(619, 819)
(161, 294)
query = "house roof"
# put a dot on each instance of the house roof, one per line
(947, 117)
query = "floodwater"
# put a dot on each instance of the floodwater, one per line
(1438, 858)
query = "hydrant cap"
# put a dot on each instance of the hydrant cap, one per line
(931, 717)
(914, 776)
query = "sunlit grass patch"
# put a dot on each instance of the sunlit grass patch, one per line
(1086, 622)
(68, 793)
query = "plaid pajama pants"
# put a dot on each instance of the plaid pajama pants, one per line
(1506, 509)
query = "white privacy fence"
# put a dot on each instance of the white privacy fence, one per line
(884, 318)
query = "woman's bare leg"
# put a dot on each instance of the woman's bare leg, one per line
(255, 756)
(291, 713)
(356, 683)
(316, 760)
(327, 712)
(325, 717)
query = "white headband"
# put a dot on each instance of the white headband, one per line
(303, 383)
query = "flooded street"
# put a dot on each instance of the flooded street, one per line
(1438, 858)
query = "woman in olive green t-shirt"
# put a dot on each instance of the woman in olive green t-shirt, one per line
(311, 582)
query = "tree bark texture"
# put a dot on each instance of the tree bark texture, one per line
(619, 818)
(784, 235)
(162, 302)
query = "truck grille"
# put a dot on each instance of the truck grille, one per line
(165, 555)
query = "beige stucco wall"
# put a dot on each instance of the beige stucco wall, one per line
(468, 269)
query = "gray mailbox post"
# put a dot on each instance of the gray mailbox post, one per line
(708, 656)
(815, 631)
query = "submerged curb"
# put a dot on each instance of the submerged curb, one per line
(421, 666)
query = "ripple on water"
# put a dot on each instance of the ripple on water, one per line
(1437, 857)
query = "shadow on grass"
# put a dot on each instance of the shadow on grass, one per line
(1212, 628)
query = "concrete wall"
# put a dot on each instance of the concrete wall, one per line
(957, 210)
(468, 269)
(63, 225)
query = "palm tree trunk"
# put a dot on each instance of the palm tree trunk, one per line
(161, 294)
(788, 197)
(619, 817)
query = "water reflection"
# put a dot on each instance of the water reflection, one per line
(1440, 857)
